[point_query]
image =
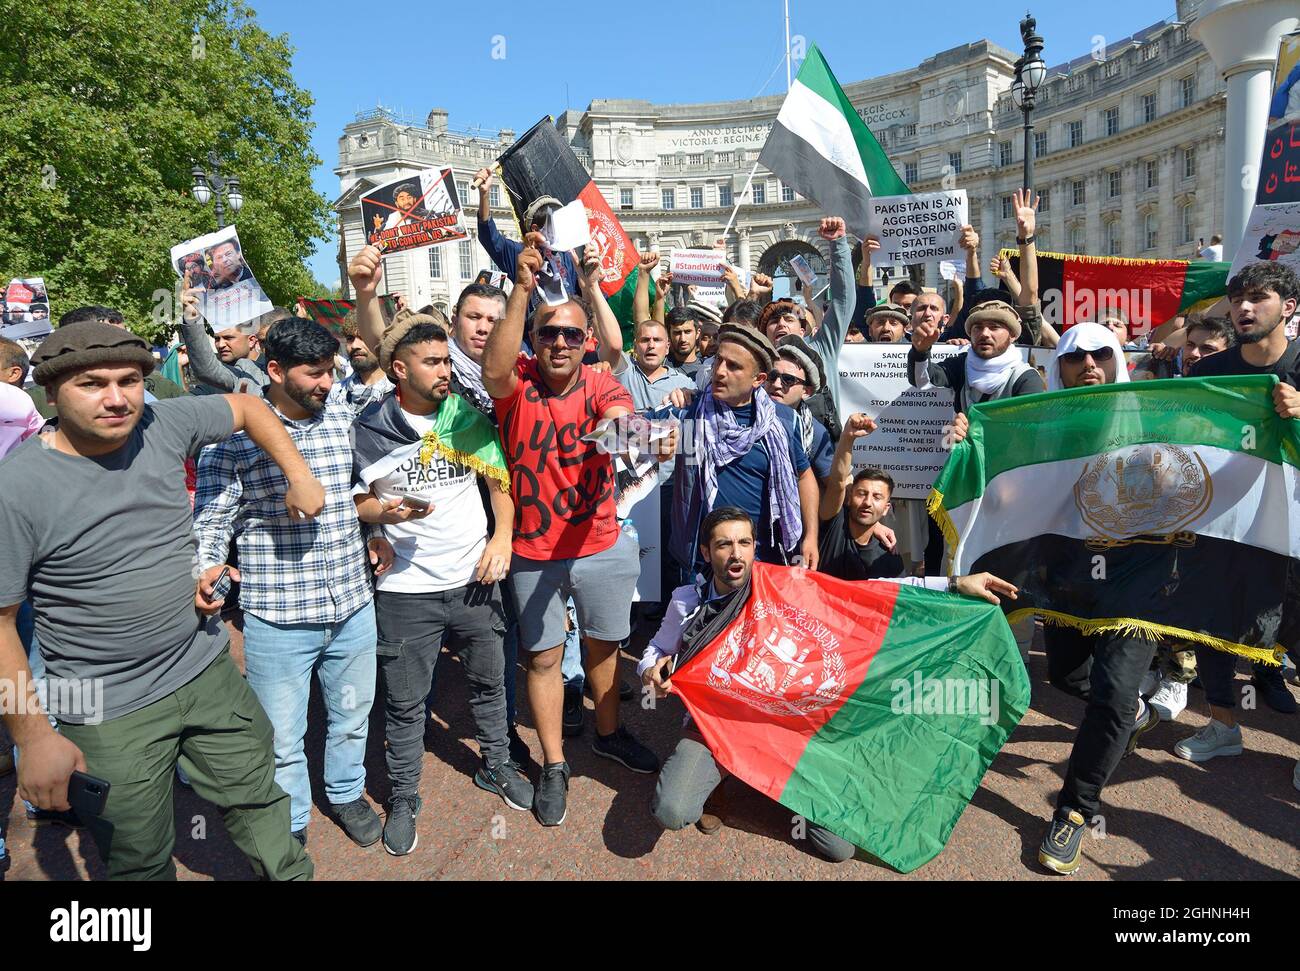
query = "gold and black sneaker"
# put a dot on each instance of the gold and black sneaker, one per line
(1060, 849)
(1151, 721)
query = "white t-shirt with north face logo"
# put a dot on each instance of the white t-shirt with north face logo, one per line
(442, 550)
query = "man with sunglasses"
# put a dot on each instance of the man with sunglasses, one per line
(797, 375)
(567, 540)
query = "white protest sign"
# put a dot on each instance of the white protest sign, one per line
(1272, 235)
(920, 228)
(908, 444)
(710, 296)
(952, 269)
(215, 264)
(803, 271)
(567, 228)
(702, 267)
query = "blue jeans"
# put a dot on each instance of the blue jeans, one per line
(571, 663)
(279, 660)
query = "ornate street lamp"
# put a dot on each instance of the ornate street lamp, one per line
(1031, 72)
(212, 185)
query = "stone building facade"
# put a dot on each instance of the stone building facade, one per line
(1128, 155)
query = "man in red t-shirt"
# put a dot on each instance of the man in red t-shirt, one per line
(567, 539)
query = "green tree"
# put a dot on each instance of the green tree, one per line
(105, 108)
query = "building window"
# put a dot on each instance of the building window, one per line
(1077, 242)
(697, 197)
(1153, 174)
(1148, 108)
(1040, 144)
(1111, 70)
(1080, 189)
(909, 131)
(466, 259)
(462, 190)
(1076, 134)
(494, 195)
(694, 159)
(1188, 90)
(724, 194)
(626, 199)
(1007, 209)
(954, 162)
(1004, 153)
(1186, 223)
(723, 158)
(666, 161)
(760, 193)
(787, 193)
(1152, 228)
(1189, 163)
(435, 263)
(668, 198)
(1114, 239)
(1045, 201)
(1114, 184)
(1112, 121)
(910, 172)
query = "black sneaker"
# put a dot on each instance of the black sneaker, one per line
(359, 821)
(574, 715)
(519, 753)
(1060, 849)
(1152, 720)
(622, 747)
(1272, 688)
(400, 837)
(551, 806)
(301, 836)
(508, 782)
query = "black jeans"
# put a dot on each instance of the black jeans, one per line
(1106, 671)
(411, 628)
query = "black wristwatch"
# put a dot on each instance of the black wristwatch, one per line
(952, 584)
(1025, 242)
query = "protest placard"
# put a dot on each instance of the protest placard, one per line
(702, 267)
(920, 228)
(25, 311)
(492, 278)
(952, 269)
(215, 264)
(1279, 170)
(1272, 235)
(413, 212)
(908, 442)
(567, 228)
(803, 271)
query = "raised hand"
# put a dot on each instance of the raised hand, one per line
(1025, 204)
(831, 229)
(366, 271)
(527, 266)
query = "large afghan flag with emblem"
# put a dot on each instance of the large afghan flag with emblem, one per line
(541, 163)
(872, 709)
(1158, 508)
(1078, 289)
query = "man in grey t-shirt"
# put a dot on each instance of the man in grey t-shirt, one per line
(96, 529)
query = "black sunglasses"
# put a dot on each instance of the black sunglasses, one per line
(573, 336)
(787, 381)
(1101, 355)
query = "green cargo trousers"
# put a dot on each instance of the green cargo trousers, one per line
(217, 726)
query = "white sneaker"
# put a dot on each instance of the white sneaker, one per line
(1170, 699)
(1213, 740)
(1149, 682)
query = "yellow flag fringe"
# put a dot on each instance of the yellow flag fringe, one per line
(430, 444)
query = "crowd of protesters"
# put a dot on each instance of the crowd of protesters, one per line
(338, 507)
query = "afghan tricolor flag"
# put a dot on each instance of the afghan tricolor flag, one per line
(328, 313)
(821, 147)
(1157, 508)
(1079, 289)
(541, 163)
(872, 709)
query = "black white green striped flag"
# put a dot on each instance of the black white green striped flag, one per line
(1170, 508)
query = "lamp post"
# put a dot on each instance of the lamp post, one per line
(212, 185)
(1031, 72)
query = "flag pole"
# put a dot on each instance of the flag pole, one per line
(787, 46)
(744, 192)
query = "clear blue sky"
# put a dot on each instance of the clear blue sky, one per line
(568, 54)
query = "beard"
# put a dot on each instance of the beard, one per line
(432, 394)
(364, 365)
(304, 398)
(1255, 336)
